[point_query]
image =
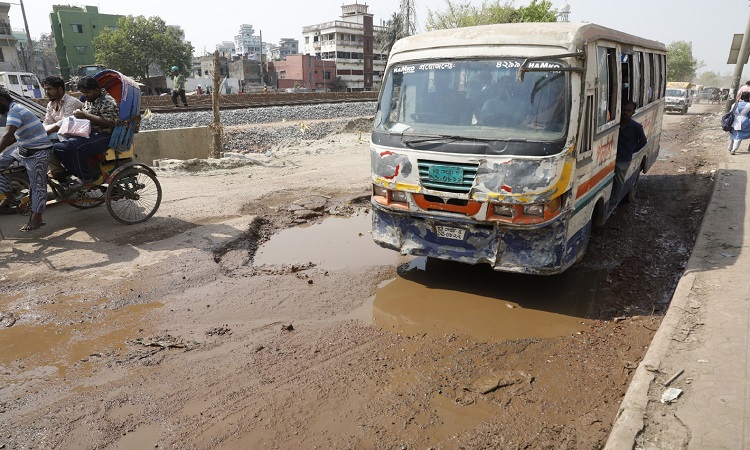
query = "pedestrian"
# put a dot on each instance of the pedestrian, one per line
(102, 111)
(33, 151)
(178, 86)
(60, 105)
(741, 125)
(199, 90)
(630, 140)
(745, 88)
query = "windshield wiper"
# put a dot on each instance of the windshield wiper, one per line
(444, 137)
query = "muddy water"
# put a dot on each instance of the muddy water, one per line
(438, 297)
(66, 342)
(334, 244)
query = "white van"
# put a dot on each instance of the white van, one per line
(22, 83)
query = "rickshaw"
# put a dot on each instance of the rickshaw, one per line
(129, 188)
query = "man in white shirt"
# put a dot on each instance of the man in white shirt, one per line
(60, 105)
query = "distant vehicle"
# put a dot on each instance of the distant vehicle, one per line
(89, 70)
(25, 84)
(679, 96)
(706, 94)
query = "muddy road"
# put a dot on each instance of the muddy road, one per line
(254, 311)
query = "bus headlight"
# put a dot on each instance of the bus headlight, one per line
(390, 197)
(503, 210)
(534, 210)
(528, 214)
(379, 191)
(398, 196)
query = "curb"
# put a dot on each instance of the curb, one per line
(629, 421)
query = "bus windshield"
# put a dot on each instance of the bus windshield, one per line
(481, 99)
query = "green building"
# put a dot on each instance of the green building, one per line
(75, 28)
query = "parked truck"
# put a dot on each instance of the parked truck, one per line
(679, 96)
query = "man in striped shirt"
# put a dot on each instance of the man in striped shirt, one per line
(34, 148)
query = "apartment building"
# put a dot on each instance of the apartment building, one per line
(75, 28)
(349, 43)
(8, 55)
(287, 46)
(304, 71)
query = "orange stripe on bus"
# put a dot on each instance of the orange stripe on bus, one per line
(583, 188)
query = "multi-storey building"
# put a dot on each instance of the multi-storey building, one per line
(246, 42)
(305, 71)
(8, 55)
(226, 49)
(75, 28)
(348, 42)
(287, 46)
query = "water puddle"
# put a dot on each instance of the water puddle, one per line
(439, 297)
(62, 345)
(334, 244)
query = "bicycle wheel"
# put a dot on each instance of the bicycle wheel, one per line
(88, 199)
(133, 196)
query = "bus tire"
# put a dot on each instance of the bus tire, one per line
(597, 218)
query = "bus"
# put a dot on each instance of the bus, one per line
(497, 144)
(25, 84)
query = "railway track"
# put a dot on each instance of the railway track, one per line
(251, 104)
(163, 104)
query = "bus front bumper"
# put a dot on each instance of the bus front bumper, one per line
(541, 251)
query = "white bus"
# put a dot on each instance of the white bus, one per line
(497, 144)
(22, 83)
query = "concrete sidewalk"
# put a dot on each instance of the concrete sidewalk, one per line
(703, 343)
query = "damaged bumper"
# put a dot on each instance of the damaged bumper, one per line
(543, 250)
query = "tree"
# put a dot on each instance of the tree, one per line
(393, 31)
(710, 78)
(459, 15)
(339, 85)
(139, 43)
(681, 65)
(537, 12)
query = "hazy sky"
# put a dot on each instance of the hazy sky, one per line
(709, 25)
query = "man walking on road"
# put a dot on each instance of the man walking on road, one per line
(178, 86)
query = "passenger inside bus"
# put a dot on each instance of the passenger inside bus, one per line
(548, 101)
(506, 106)
(443, 104)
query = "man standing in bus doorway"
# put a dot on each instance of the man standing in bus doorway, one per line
(60, 106)
(630, 140)
(34, 148)
(178, 86)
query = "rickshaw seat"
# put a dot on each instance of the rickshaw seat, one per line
(127, 94)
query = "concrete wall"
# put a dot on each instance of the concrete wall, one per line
(177, 143)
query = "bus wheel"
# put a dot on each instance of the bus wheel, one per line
(630, 197)
(597, 218)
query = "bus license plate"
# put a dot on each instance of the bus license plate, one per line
(457, 234)
(446, 174)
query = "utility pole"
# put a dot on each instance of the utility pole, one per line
(31, 44)
(741, 59)
(215, 127)
(409, 17)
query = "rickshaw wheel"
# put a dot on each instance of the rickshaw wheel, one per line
(133, 196)
(18, 184)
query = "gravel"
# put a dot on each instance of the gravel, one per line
(257, 139)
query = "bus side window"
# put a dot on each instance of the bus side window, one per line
(607, 88)
(13, 79)
(587, 128)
